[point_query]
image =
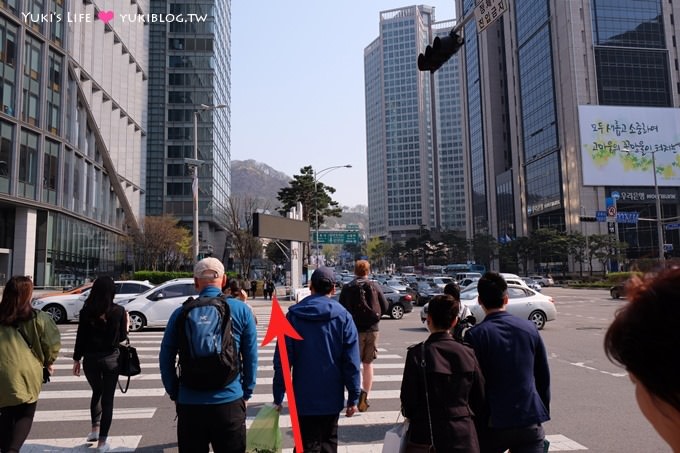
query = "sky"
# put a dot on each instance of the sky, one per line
(297, 85)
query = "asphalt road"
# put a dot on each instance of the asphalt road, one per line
(593, 405)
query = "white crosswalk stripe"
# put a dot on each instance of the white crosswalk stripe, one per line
(141, 403)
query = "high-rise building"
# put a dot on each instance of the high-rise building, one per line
(531, 141)
(189, 65)
(72, 128)
(414, 150)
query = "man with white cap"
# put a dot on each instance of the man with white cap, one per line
(212, 417)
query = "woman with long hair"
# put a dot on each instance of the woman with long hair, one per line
(101, 327)
(29, 341)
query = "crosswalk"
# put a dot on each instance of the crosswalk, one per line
(63, 408)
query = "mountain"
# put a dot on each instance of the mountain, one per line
(258, 180)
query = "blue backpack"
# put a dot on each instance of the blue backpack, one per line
(207, 352)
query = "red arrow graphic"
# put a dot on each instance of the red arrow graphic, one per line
(280, 328)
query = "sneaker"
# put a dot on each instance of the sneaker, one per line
(363, 402)
(103, 448)
(93, 436)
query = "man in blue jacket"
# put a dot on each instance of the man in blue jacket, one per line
(514, 363)
(324, 363)
(216, 417)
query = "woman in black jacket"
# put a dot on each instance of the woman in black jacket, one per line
(443, 413)
(101, 327)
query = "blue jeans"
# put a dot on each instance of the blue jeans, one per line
(101, 372)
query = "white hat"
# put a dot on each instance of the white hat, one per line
(209, 268)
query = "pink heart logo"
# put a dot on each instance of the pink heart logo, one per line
(105, 16)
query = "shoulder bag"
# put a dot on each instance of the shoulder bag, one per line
(412, 447)
(128, 363)
(46, 372)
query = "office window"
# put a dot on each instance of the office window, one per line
(57, 27)
(36, 8)
(8, 58)
(50, 172)
(32, 59)
(10, 5)
(54, 92)
(28, 165)
(6, 146)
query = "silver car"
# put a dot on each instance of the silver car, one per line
(522, 302)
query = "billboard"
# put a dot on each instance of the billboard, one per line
(277, 227)
(618, 144)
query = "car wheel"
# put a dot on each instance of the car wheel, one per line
(615, 294)
(137, 321)
(538, 318)
(57, 313)
(397, 311)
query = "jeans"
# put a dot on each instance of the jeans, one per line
(101, 372)
(528, 439)
(15, 424)
(221, 425)
(319, 433)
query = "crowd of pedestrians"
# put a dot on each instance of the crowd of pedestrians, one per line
(488, 392)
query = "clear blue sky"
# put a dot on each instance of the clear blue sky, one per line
(297, 85)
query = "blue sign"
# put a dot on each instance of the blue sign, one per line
(627, 217)
(616, 195)
(601, 216)
(608, 202)
(673, 226)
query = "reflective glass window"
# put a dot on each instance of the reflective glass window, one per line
(28, 165)
(8, 58)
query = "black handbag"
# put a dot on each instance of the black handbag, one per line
(128, 363)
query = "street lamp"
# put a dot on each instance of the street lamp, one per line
(194, 164)
(659, 220)
(317, 174)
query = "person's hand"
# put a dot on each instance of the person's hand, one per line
(50, 369)
(351, 410)
(278, 407)
(76, 368)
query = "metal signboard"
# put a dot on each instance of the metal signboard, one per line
(338, 237)
(627, 217)
(673, 226)
(601, 216)
(488, 11)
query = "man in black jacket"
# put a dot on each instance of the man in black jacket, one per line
(514, 362)
(368, 330)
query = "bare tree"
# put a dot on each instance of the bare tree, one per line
(240, 230)
(161, 244)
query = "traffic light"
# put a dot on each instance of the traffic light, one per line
(439, 53)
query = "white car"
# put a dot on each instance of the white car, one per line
(67, 307)
(441, 282)
(543, 281)
(154, 307)
(522, 302)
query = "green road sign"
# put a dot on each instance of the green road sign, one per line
(337, 237)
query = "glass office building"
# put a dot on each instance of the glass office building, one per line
(72, 129)
(189, 64)
(413, 145)
(526, 76)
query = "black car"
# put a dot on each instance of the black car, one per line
(398, 303)
(426, 291)
(618, 290)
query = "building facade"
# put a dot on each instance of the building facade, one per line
(72, 129)
(414, 150)
(527, 79)
(190, 71)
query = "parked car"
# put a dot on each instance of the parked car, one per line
(398, 304)
(523, 302)
(467, 275)
(66, 308)
(543, 280)
(533, 284)
(467, 281)
(618, 290)
(441, 282)
(154, 307)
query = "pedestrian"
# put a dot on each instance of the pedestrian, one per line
(645, 338)
(102, 325)
(253, 288)
(514, 363)
(29, 345)
(270, 287)
(233, 289)
(324, 363)
(442, 394)
(211, 416)
(364, 299)
(464, 313)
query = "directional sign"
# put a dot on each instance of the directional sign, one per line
(601, 216)
(488, 11)
(338, 237)
(673, 226)
(627, 217)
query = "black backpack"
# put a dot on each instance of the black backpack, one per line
(362, 303)
(208, 359)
